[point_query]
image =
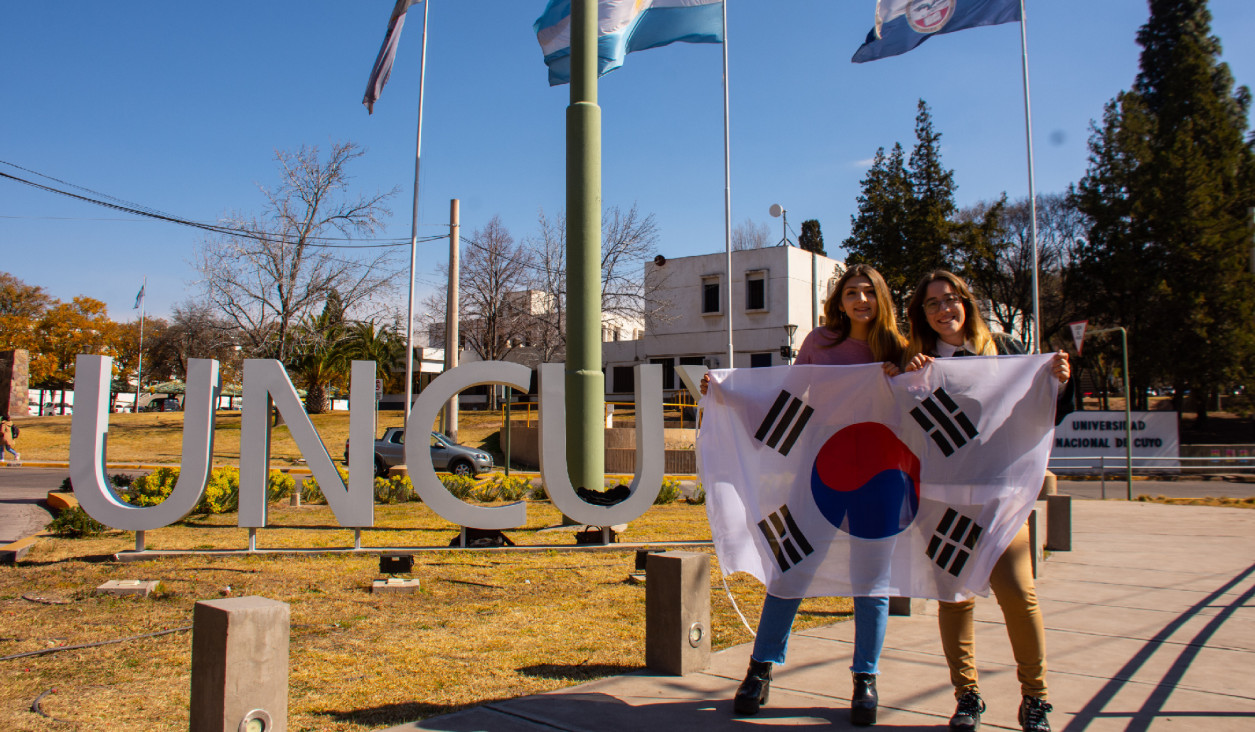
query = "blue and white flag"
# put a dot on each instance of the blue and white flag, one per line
(838, 480)
(624, 26)
(139, 297)
(382, 69)
(904, 24)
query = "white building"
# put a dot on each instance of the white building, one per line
(687, 318)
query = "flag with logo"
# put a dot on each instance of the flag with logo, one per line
(904, 24)
(382, 69)
(625, 26)
(838, 480)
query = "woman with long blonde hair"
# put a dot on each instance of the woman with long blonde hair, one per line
(860, 327)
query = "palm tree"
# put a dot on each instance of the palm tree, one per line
(366, 342)
(319, 361)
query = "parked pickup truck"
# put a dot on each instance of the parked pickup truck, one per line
(445, 454)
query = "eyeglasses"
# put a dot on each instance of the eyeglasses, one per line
(932, 307)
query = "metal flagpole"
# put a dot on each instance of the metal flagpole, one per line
(727, 187)
(139, 369)
(418, 156)
(1032, 187)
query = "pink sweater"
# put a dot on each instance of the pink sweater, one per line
(848, 352)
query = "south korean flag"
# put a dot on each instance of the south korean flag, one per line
(838, 480)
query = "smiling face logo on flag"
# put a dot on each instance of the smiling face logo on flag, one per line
(929, 16)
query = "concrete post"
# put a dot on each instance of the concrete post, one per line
(906, 606)
(677, 612)
(1034, 542)
(1059, 523)
(1049, 486)
(239, 664)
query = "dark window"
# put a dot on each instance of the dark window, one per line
(759, 360)
(756, 293)
(710, 296)
(668, 371)
(692, 360)
(623, 382)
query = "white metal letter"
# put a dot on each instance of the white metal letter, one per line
(266, 384)
(650, 455)
(90, 427)
(418, 451)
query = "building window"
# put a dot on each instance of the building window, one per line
(710, 296)
(756, 290)
(760, 360)
(622, 381)
(668, 371)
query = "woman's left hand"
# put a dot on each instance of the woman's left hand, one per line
(1060, 367)
(891, 369)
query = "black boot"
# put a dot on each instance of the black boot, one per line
(863, 700)
(1033, 714)
(752, 693)
(967, 712)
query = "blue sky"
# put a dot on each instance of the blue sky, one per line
(180, 107)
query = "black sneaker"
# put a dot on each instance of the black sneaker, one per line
(1033, 714)
(967, 712)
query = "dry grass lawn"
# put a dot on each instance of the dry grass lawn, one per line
(484, 626)
(1207, 501)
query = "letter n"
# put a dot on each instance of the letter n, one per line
(266, 388)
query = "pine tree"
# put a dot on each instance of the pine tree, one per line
(1168, 189)
(811, 239)
(904, 224)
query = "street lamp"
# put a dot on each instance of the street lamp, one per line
(789, 354)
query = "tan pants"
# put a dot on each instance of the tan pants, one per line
(1012, 583)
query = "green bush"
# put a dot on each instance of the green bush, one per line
(698, 497)
(74, 523)
(669, 492)
(222, 490)
(397, 489)
(459, 486)
(537, 492)
(311, 493)
(504, 488)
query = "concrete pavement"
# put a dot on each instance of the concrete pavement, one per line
(1150, 625)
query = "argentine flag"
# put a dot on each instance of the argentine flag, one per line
(904, 24)
(624, 26)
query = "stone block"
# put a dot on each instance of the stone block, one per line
(906, 606)
(394, 585)
(16, 551)
(125, 588)
(1049, 486)
(677, 612)
(1059, 523)
(239, 664)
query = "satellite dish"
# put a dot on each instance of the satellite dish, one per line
(660, 260)
(775, 210)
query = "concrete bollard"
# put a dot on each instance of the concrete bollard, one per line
(1034, 542)
(677, 612)
(1059, 523)
(240, 665)
(1049, 486)
(906, 606)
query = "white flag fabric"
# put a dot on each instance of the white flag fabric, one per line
(382, 69)
(838, 480)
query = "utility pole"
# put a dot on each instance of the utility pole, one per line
(585, 383)
(451, 338)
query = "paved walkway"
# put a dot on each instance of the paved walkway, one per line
(1150, 625)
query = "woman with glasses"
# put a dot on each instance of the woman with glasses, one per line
(860, 328)
(945, 322)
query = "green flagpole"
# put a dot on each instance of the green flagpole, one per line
(584, 380)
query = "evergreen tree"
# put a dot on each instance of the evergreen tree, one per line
(811, 239)
(904, 224)
(1168, 189)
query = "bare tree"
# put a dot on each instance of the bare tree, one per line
(277, 269)
(548, 250)
(194, 331)
(749, 235)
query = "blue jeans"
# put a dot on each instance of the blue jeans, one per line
(871, 615)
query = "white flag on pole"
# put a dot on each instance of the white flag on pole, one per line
(837, 480)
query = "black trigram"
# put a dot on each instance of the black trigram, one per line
(954, 541)
(942, 420)
(785, 539)
(790, 422)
